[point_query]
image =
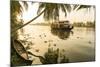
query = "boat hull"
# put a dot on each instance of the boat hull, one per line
(17, 58)
(65, 27)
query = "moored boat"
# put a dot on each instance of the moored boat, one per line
(62, 25)
(19, 54)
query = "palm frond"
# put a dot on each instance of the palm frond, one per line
(52, 10)
(68, 7)
(25, 4)
(56, 12)
(16, 7)
(41, 6)
(83, 6)
(63, 9)
(75, 6)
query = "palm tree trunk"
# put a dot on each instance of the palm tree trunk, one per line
(27, 23)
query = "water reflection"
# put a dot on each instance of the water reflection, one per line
(76, 45)
(62, 34)
(52, 56)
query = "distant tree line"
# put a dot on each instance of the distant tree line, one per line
(82, 24)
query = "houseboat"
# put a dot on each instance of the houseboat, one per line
(62, 25)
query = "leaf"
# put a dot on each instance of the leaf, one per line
(75, 6)
(68, 7)
(25, 4)
(83, 6)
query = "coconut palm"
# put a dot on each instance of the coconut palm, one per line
(16, 10)
(50, 11)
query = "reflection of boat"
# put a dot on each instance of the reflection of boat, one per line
(62, 25)
(61, 33)
(20, 53)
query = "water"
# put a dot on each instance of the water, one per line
(78, 45)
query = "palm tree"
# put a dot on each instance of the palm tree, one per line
(50, 11)
(16, 10)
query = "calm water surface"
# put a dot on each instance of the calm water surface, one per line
(78, 44)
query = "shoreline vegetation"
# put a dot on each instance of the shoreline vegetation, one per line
(75, 24)
(51, 11)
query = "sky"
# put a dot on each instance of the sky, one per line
(82, 15)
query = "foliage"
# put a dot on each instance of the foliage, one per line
(16, 11)
(78, 7)
(87, 24)
(52, 10)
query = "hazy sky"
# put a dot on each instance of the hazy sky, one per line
(74, 16)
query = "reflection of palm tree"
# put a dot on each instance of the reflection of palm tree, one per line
(42, 59)
(51, 57)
